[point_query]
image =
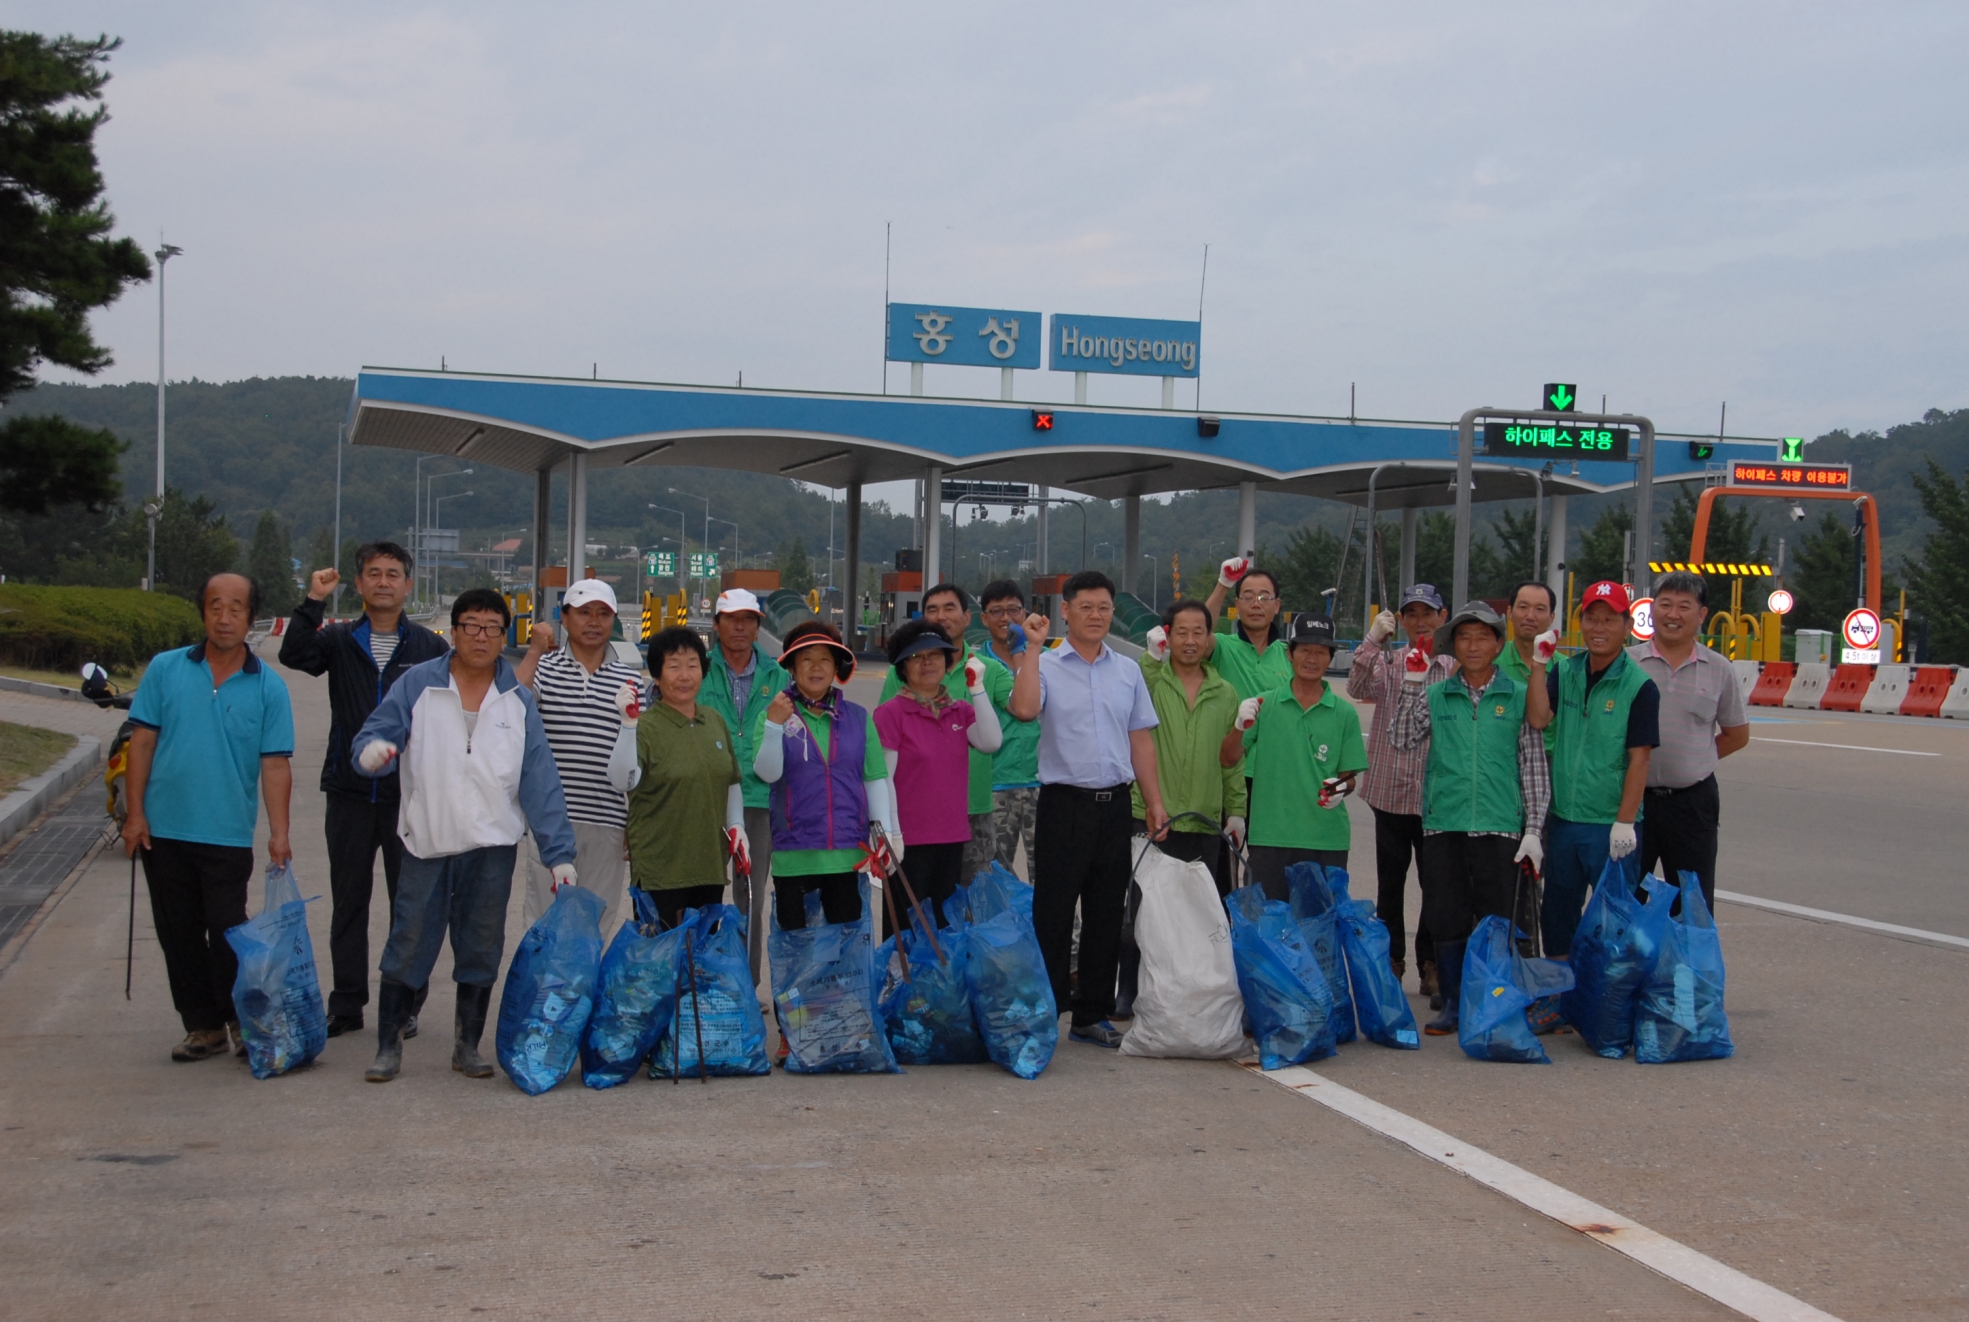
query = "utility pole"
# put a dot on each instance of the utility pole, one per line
(165, 253)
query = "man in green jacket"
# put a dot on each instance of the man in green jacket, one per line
(740, 685)
(1484, 793)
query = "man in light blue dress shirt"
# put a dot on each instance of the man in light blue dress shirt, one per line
(1094, 741)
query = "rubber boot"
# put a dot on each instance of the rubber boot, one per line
(393, 1006)
(1449, 973)
(416, 1008)
(465, 1058)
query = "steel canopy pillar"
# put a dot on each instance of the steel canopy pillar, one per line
(1555, 555)
(851, 598)
(1247, 518)
(933, 527)
(1131, 539)
(1043, 565)
(577, 517)
(543, 526)
(1408, 553)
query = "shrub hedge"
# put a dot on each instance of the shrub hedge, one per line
(58, 628)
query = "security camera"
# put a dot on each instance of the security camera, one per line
(1797, 512)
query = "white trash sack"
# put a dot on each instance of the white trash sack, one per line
(1187, 1003)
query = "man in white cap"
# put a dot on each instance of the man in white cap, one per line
(574, 687)
(739, 687)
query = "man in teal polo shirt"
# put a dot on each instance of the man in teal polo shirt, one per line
(211, 724)
(1015, 766)
(739, 687)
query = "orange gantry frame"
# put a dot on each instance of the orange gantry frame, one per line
(1708, 499)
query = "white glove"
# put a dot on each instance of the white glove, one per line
(629, 701)
(1545, 647)
(1531, 847)
(374, 757)
(1232, 571)
(1158, 648)
(1620, 841)
(1333, 790)
(1383, 628)
(974, 673)
(563, 876)
(1247, 713)
(1415, 666)
(1235, 829)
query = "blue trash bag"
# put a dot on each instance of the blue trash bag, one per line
(1383, 1009)
(725, 1006)
(928, 1013)
(824, 991)
(635, 998)
(1316, 909)
(550, 990)
(1011, 996)
(1679, 1014)
(1499, 986)
(1285, 992)
(277, 993)
(1615, 947)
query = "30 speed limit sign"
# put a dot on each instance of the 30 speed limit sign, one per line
(1862, 629)
(1642, 617)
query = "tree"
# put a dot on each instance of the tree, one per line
(796, 571)
(1496, 569)
(57, 262)
(270, 563)
(1736, 534)
(1602, 548)
(193, 542)
(1938, 583)
(1435, 552)
(1305, 569)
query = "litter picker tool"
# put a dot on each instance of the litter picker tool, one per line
(697, 1018)
(130, 944)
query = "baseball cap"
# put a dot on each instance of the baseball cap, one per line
(1608, 591)
(1424, 593)
(1475, 611)
(1308, 628)
(590, 589)
(734, 600)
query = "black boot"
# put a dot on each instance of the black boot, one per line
(394, 1002)
(1449, 973)
(416, 1008)
(465, 1058)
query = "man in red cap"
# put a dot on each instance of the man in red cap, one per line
(1605, 716)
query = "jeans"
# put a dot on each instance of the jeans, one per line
(1081, 864)
(1269, 862)
(981, 850)
(1575, 855)
(1679, 831)
(356, 830)
(463, 893)
(196, 893)
(1013, 813)
(1397, 838)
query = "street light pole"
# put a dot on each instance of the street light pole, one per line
(165, 253)
(707, 523)
(682, 547)
(430, 525)
(437, 513)
(335, 540)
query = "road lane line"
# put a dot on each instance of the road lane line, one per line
(1851, 920)
(1857, 748)
(1678, 1262)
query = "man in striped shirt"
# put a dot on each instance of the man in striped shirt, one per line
(574, 687)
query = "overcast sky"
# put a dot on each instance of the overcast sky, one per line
(1673, 205)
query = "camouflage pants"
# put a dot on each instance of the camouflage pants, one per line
(981, 848)
(1013, 812)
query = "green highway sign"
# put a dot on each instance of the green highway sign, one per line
(710, 564)
(697, 564)
(1522, 439)
(1794, 450)
(1560, 396)
(649, 563)
(663, 564)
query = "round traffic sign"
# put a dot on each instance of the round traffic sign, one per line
(1862, 629)
(1779, 602)
(1642, 617)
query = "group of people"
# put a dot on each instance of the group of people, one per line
(1486, 762)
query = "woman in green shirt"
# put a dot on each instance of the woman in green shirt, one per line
(677, 766)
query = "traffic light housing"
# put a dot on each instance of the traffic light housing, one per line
(1701, 449)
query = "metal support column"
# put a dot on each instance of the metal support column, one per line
(1131, 539)
(1247, 518)
(1408, 553)
(1169, 392)
(577, 517)
(1644, 511)
(1004, 383)
(1080, 387)
(1555, 554)
(1042, 564)
(916, 378)
(933, 527)
(543, 530)
(851, 594)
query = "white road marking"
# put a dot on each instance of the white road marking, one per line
(1827, 916)
(1857, 748)
(1678, 1262)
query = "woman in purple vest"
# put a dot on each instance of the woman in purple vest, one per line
(927, 738)
(823, 759)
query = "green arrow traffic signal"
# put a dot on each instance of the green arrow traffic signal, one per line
(1560, 396)
(1794, 450)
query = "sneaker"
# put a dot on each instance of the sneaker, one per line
(1103, 1034)
(339, 1024)
(199, 1046)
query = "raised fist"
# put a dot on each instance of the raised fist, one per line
(1158, 647)
(1247, 713)
(1545, 647)
(1037, 627)
(974, 676)
(780, 710)
(1232, 571)
(628, 701)
(542, 638)
(321, 583)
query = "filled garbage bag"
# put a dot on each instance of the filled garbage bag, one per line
(635, 996)
(1499, 986)
(1679, 1014)
(1619, 936)
(277, 993)
(1285, 992)
(550, 991)
(719, 1004)
(1379, 1002)
(927, 1013)
(1316, 908)
(1187, 1004)
(824, 991)
(1011, 996)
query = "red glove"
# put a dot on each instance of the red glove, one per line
(1232, 571)
(740, 851)
(1545, 647)
(1415, 666)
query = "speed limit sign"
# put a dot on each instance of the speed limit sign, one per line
(1862, 629)
(1779, 602)
(1642, 616)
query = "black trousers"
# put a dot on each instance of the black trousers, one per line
(840, 898)
(1269, 862)
(672, 901)
(1678, 830)
(196, 893)
(356, 830)
(934, 872)
(1466, 878)
(1397, 838)
(1185, 847)
(1080, 843)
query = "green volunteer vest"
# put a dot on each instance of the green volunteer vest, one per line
(1589, 740)
(1472, 783)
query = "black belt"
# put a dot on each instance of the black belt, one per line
(1665, 791)
(1097, 796)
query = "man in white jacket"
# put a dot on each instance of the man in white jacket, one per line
(476, 774)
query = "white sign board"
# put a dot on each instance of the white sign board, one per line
(1779, 602)
(1859, 656)
(1642, 614)
(1862, 629)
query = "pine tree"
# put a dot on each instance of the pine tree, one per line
(1305, 568)
(1938, 583)
(270, 563)
(796, 571)
(1736, 534)
(1602, 547)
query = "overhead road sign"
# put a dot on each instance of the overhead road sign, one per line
(1130, 346)
(1555, 441)
(1747, 473)
(1736, 569)
(968, 337)
(1560, 396)
(986, 493)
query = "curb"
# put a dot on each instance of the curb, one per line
(11, 685)
(19, 809)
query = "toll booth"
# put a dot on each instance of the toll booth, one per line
(902, 601)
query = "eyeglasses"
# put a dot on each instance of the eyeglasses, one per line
(1089, 608)
(479, 630)
(1256, 598)
(1001, 612)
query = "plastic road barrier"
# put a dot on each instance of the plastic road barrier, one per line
(1808, 686)
(1848, 688)
(1747, 675)
(1926, 691)
(1956, 704)
(1889, 690)
(1773, 683)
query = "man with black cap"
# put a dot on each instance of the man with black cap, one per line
(1485, 791)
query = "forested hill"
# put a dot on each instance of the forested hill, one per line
(1885, 465)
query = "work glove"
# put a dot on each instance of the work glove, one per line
(1018, 637)
(1531, 849)
(1620, 841)
(1232, 571)
(888, 851)
(1247, 713)
(740, 851)
(1234, 827)
(974, 673)
(1383, 628)
(629, 701)
(1333, 790)
(563, 876)
(1415, 666)
(1545, 647)
(1158, 647)
(374, 757)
